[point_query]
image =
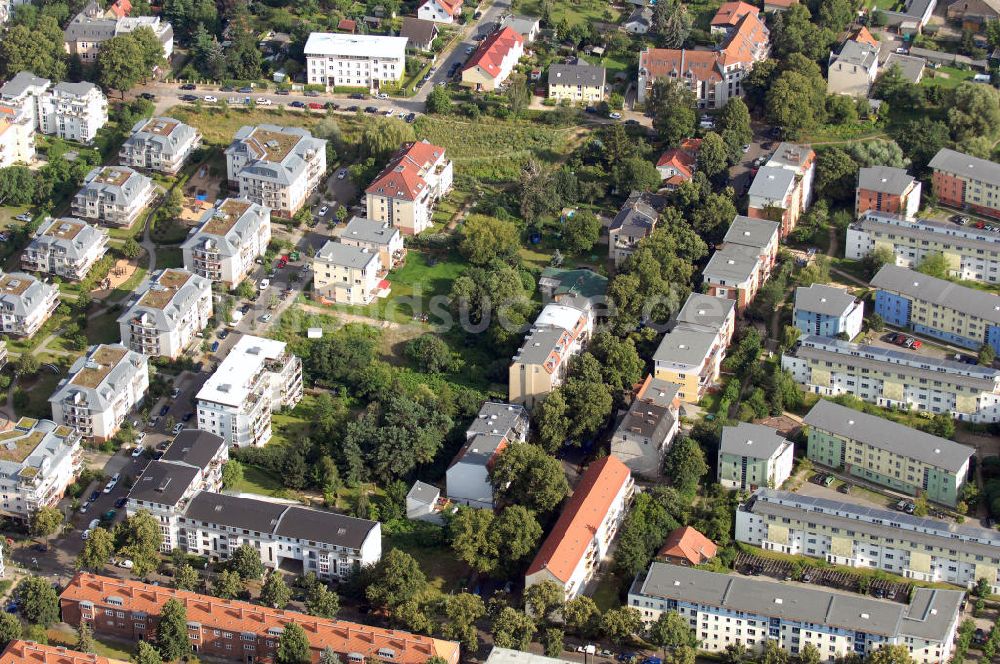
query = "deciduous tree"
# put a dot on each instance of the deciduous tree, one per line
(97, 550)
(293, 645)
(246, 562)
(38, 601)
(526, 475)
(621, 624)
(172, 633)
(275, 592)
(513, 629)
(145, 653)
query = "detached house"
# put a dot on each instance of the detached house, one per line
(440, 11)
(492, 62)
(648, 427)
(93, 26)
(65, 247)
(677, 165)
(582, 536)
(25, 303)
(113, 195)
(348, 274)
(633, 223)
(712, 75)
(782, 189)
(227, 242)
(159, 144)
(404, 193)
(852, 71)
(166, 318)
(103, 388)
(419, 34)
(497, 426)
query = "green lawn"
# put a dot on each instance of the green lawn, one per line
(444, 571)
(258, 480)
(169, 257)
(574, 12)
(7, 215)
(103, 329)
(946, 77)
(103, 647)
(292, 425)
(218, 124)
(39, 389)
(606, 595)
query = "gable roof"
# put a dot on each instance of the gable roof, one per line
(452, 8)
(582, 74)
(683, 158)
(730, 13)
(688, 543)
(29, 652)
(418, 31)
(966, 166)
(573, 533)
(403, 175)
(492, 51)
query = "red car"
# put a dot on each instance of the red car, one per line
(316, 106)
(282, 262)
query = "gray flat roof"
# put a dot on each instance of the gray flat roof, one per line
(729, 264)
(911, 67)
(772, 183)
(930, 617)
(941, 292)
(884, 434)
(885, 179)
(823, 299)
(751, 232)
(163, 483)
(706, 311)
(685, 345)
(539, 343)
(346, 255)
(370, 231)
(508, 656)
(755, 441)
(965, 165)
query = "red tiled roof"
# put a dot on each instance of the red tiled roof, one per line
(491, 52)
(688, 544)
(403, 176)
(865, 37)
(662, 62)
(121, 8)
(573, 533)
(730, 13)
(451, 7)
(213, 613)
(749, 36)
(347, 24)
(28, 652)
(683, 158)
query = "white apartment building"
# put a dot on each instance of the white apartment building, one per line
(347, 274)
(403, 195)
(159, 144)
(895, 378)
(354, 61)
(497, 426)
(17, 141)
(22, 94)
(277, 167)
(257, 378)
(855, 535)
(972, 253)
(72, 111)
(724, 610)
(102, 389)
(39, 460)
(65, 247)
(25, 303)
(376, 236)
(113, 195)
(229, 238)
(165, 318)
(582, 537)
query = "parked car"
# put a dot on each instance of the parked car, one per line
(215, 346)
(189, 86)
(175, 392)
(844, 488)
(263, 101)
(126, 564)
(615, 116)
(225, 333)
(264, 284)
(109, 515)
(332, 105)
(188, 98)
(341, 174)
(358, 95)
(211, 99)
(282, 92)
(245, 90)
(382, 95)
(94, 495)
(828, 480)
(121, 502)
(178, 428)
(265, 318)
(323, 210)
(411, 118)
(297, 104)
(187, 417)
(136, 452)
(315, 105)
(311, 93)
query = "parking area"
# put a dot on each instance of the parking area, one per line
(907, 341)
(753, 565)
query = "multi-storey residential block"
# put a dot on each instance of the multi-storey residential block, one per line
(22, 94)
(29, 652)
(887, 453)
(227, 241)
(348, 274)
(404, 193)
(113, 195)
(159, 144)
(677, 165)
(559, 333)
(103, 387)
(971, 253)
(17, 141)
(887, 189)
(724, 610)
(853, 69)
(25, 303)
(258, 376)
(648, 427)
(712, 75)
(440, 11)
(497, 426)
(729, 15)
(855, 535)
(582, 536)
(492, 62)
(277, 167)
(93, 26)
(691, 353)
(378, 237)
(633, 223)
(827, 311)
(895, 379)
(72, 111)
(581, 82)
(752, 456)
(165, 319)
(741, 265)
(782, 189)
(966, 182)
(357, 61)
(234, 630)
(65, 247)
(938, 308)
(38, 461)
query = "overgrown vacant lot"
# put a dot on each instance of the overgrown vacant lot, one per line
(218, 125)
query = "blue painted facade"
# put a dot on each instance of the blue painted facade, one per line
(821, 324)
(950, 337)
(894, 309)
(993, 337)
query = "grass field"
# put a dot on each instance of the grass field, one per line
(169, 257)
(66, 637)
(946, 77)
(39, 389)
(218, 124)
(574, 12)
(103, 329)
(258, 480)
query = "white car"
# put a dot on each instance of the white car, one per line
(211, 99)
(342, 174)
(137, 452)
(263, 101)
(615, 116)
(112, 483)
(902, 51)
(264, 284)
(126, 564)
(323, 210)
(178, 428)
(746, 148)
(85, 535)
(382, 95)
